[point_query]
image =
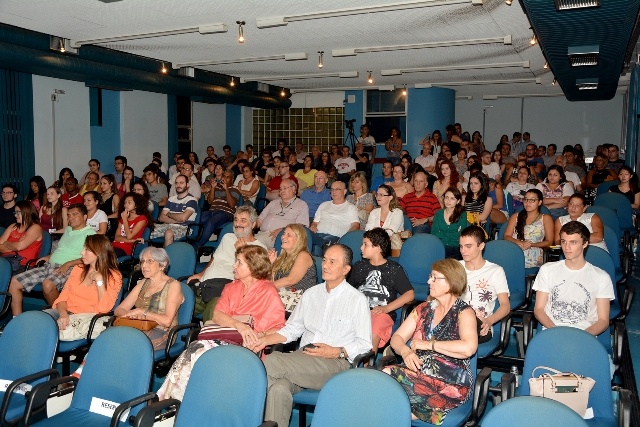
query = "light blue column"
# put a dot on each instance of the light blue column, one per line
(427, 110)
(234, 127)
(105, 139)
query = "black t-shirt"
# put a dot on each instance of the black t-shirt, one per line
(381, 284)
(7, 216)
(361, 166)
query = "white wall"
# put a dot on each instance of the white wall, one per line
(208, 127)
(143, 127)
(548, 119)
(72, 129)
(317, 99)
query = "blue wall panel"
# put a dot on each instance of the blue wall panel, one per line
(234, 127)
(105, 139)
(428, 109)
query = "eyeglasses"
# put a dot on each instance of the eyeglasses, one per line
(530, 200)
(433, 277)
(148, 261)
(16, 213)
(7, 192)
(337, 189)
(286, 188)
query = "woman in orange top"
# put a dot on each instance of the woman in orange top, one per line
(92, 287)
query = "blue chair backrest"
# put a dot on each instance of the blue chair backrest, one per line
(530, 411)
(603, 260)
(416, 256)
(261, 200)
(613, 245)
(201, 201)
(407, 224)
(608, 217)
(564, 348)
(227, 387)
(318, 263)
(277, 245)
(508, 200)
(545, 210)
(620, 205)
(604, 187)
(226, 229)
(183, 259)
(156, 211)
(5, 278)
(45, 249)
(353, 239)
(339, 402)
(510, 257)
(117, 368)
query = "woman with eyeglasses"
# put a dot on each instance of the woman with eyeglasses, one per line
(530, 229)
(436, 367)
(389, 215)
(21, 241)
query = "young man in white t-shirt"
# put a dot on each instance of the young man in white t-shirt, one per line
(486, 281)
(573, 292)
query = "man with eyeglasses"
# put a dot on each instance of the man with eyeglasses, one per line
(334, 219)
(275, 183)
(57, 267)
(9, 196)
(317, 194)
(119, 163)
(286, 209)
(194, 185)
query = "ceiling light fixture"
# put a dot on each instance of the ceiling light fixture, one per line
(342, 75)
(164, 70)
(533, 40)
(203, 29)
(354, 51)
(320, 55)
(553, 82)
(62, 49)
(522, 64)
(576, 4)
(233, 82)
(369, 79)
(283, 93)
(277, 21)
(508, 2)
(404, 90)
(240, 31)
(536, 80)
(287, 57)
(546, 66)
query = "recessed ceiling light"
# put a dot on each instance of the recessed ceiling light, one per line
(369, 79)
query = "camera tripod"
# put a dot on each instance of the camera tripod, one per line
(350, 139)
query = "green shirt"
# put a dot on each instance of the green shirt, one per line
(448, 233)
(70, 245)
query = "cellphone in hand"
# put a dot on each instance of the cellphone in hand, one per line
(310, 345)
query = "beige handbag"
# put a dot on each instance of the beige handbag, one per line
(567, 388)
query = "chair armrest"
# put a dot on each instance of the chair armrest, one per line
(480, 393)
(37, 399)
(7, 303)
(407, 308)
(386, 361)
(172, 334)
(8, 393)
(269, 424)
(191, 336)
(147, 416)
(508, 386)
(363, 358)
(528, 326)
(619, 332)
(624, 408)
(120, 410)
(528, 294)
(34, 263)
(190, 232)
(95, 319)
(505, 334)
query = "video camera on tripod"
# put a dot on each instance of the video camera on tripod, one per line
(349, 124)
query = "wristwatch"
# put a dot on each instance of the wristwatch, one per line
(342, 353)
(99, 283)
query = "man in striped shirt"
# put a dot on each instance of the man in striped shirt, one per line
(421, 205)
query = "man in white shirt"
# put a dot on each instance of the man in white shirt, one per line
(573, 292)
(334, 219)
(368, 142)
(219, 270)
(345, 165)
(486, 281)
(334, 323)
(426, 160)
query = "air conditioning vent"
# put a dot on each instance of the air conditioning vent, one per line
(582, 56)
(587, 84)
(576, 4)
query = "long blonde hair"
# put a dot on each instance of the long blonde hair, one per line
(285, 260)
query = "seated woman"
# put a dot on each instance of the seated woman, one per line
(577, 212)
(628, 187)
(134, 218)
(142, 189)
(93, 287)
(556, 191)
(477, 202)
(306, 174)
(249, 185)
(293, 269)
(91, 183)
(128, 177)
(436, 369)
(251, 293)
(22, 241)
(156, 296)
(383, 282)
(96, 218)
(499, 213)
(449, 222)
(53, 216)
(518, 188)
(389, 215)
(399, 185)
(360, 197)
(447, 177)
(531, 229)
(37, 192)
(600, 173)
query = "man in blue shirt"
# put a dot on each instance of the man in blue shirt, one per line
(387, 176)
(316, 195)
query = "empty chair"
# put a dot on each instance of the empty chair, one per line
(117, 371)
(27, 349)
(622, 207)
(530, 411)
(353, 239)
(227, 387)
(340, 401)
(608, 217)
(416, 256)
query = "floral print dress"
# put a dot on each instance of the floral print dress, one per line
(443, 383)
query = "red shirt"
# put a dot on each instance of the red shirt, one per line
(71, 200)
(421, 207)
(275, 182)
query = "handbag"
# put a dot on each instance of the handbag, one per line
(139, 324)
(290, 298)
(228, 334)
(567, 388)
(79, 327)
(15, 260)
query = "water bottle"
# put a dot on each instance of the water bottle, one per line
(514, 371)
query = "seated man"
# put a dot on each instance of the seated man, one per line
(273, 187)
(223, 199)
(194, 185)
(334, 322)
(219, 270)
(573, 292)
(288, 209)
(387, 176)
(179, 211)
(57, 268)
(345, 165)
(334, 219)
(318, 194)
(157, 191)
(72, 193)
(421, 205)
(486, 282)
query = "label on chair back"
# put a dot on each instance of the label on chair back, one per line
(21, 389)
(106, 408)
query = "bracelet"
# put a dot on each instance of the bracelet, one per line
(145, 313)
(433, 345)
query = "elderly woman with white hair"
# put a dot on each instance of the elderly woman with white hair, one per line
(155, 297)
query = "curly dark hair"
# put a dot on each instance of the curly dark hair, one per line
(142, 206)
(380, 239)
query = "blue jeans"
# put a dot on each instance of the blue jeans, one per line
(211, 221)
(423, 228)
(320, 239)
